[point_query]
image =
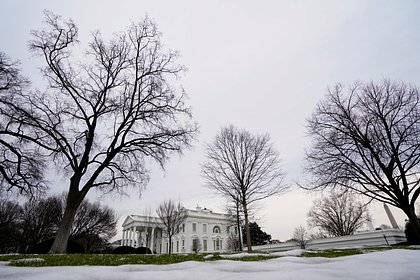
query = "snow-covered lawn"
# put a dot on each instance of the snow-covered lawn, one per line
(392, 264)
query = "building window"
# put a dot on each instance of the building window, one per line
(196, 246)
(177, 246)
(204, 227)
(194, 227)
(216, 229)
(205, 245)
(183, 244)
(183, 227)
(217, 244)
(227, 229)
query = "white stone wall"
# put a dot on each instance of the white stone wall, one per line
(367, 238)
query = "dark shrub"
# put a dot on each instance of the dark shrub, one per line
(74, 247)
(106, 249)
(42, 248)
(143, 250)
(412, 238)
(124, 250)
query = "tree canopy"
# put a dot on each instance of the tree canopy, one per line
(243, 167)
(172, 215)
(365, 137)
(99, 118)
(338, 214)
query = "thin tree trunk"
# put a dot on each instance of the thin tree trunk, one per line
(247, 231)
(169, 245)
(238, 224)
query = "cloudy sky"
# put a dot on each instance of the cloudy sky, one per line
(259, 65)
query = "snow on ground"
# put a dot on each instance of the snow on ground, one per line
(30, 260)
(295, 252)
(392, 264)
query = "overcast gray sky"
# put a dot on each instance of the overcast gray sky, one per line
(259, 65)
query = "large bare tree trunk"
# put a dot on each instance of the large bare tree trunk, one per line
(414, 220)
(247, 231)
(74, 198)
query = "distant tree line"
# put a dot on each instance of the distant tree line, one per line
(338, 214)
(31, 227)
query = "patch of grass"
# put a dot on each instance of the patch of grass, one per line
(112, 260)
(333, 253)
(100, 260)
(252, 258)
(37, 260)
(11, 257)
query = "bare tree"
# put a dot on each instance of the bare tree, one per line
(233, 242)
(300, 235)
(172, 216)
(98, 120)
(39, 221)
(318, 235)
(338, 214)
(235, 213)
(243, 167)
(93, 225)
(10, 217)
(21, 166)
(196, 246)
(366, 138)
(385, 226)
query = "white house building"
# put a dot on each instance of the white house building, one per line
(203, 230)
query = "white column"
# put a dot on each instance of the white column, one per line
(162, 242)
(140, 239)
(152, 242)
(125, 237)
(130, 232)
(122, 239)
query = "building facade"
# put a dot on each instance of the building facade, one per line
(202, 231)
